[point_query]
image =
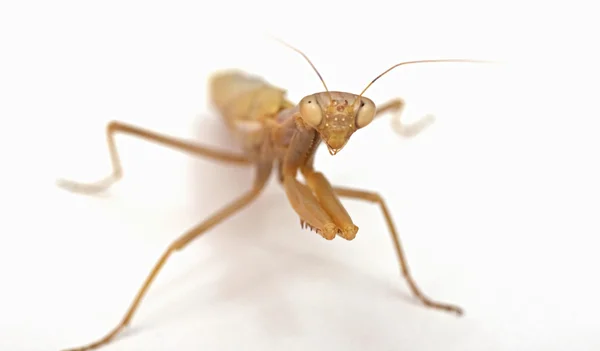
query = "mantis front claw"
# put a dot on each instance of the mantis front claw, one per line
(329, 231)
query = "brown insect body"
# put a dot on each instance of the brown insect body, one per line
(273, 131)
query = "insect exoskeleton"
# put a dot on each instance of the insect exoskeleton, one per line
(336, 116)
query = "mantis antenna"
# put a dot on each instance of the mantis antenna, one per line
(382, 74)
(419, 61)
(311, 64)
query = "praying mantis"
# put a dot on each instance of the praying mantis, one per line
(275, 135)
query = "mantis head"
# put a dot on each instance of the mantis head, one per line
(336, 116)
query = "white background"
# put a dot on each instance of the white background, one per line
(497, 202)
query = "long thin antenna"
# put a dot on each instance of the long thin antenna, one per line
(420, 61)
(307, 59)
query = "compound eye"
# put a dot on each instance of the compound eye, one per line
(366, 112)
(311, 111)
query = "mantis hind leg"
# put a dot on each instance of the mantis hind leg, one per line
(263, 172)
(117, 171)
(406, 130)
(376, 198)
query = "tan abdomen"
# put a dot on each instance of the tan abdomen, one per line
(245, 101)
(240, 96)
